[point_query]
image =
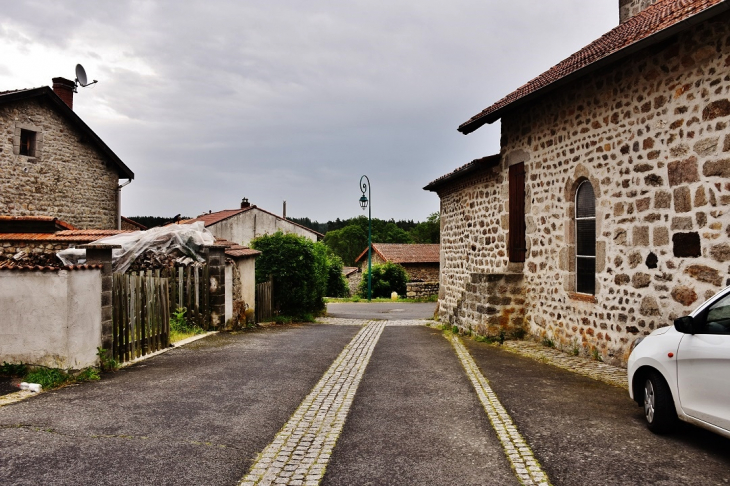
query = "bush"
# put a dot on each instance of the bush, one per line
(387, 278)
(300, 269)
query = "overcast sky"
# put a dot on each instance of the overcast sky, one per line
(210, 101)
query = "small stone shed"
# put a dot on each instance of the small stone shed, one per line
(421, 261)
(53, 164)
(248, 222)
(606, 213)
(353, 276)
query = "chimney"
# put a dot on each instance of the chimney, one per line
(65, 88)
(630, 8)
(284, 216)
(244, 203)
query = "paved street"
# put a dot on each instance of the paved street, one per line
(381, 310)
(347, 402)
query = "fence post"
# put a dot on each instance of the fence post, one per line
(217, 268)
(102, 255)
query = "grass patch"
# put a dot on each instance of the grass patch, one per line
(50, 378)
(179, 327)
(547, 342)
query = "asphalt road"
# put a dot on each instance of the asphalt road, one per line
(202, 413)
(381, 310)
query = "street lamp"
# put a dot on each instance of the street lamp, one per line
(365, 186)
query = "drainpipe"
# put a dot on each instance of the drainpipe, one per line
(119, 203)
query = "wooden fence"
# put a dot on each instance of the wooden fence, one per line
(143, 304)
(141, 316)
(265, 301)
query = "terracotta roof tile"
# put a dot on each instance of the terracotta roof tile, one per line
(71, 236)
(474, 165)
(10, 265)
(235, 250)
(218, 216)
(405, 253)
(651, 21)
(347, 271)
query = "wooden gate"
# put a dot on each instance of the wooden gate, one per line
(190, 288)
(265, 301)
(143, 303)
(141, 316)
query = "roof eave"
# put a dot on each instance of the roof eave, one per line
(492, 161)
(469, 127)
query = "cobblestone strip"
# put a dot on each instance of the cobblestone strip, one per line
(339, 321)
(523, 461)
(301, 450)
(613, 375)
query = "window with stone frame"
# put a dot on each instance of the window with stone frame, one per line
(27, 143)
(585, 239)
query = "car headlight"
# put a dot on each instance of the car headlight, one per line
(636, 342)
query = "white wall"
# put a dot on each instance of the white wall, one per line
(244, 227)
(247, 269)
(50, 319)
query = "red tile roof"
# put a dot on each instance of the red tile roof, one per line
(347, 271)
(18, 266)
(405, 253)
(134, 223)
(658, 22)
(473, 166)
(70, 236)
(27, 223)
(218, 216)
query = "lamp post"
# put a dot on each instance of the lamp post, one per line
(365, 186)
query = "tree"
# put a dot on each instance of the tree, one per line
(428, 231)
(347, 243)
(300, 269)
(387, 278)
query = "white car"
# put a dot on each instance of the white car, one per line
(683, 371)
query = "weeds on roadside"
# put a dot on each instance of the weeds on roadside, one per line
(179, 327)
(50, 378)
(11, 369)
(596, 355)
(106, 362)
(547, 342)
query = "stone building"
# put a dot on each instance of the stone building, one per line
(249, 222)
(421, 261)
(53, 164)
(606, 213)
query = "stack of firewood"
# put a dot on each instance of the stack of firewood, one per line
(151, 260)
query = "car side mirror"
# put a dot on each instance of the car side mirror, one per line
(684, 325)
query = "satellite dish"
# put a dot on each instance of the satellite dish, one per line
(81, 79)
(81, 75)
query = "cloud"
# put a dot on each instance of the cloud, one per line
(211, 101)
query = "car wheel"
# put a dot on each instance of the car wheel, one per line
(658, 404)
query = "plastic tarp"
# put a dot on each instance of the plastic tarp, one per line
(175, 239)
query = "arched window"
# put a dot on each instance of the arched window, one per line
(585, 239)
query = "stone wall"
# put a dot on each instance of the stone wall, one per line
(629, 8)
(651, 135)
(10, 248)
(68, 178)
(422, 272)
(421, 290)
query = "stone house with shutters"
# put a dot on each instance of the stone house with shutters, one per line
(606, 213)
(53, 164)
